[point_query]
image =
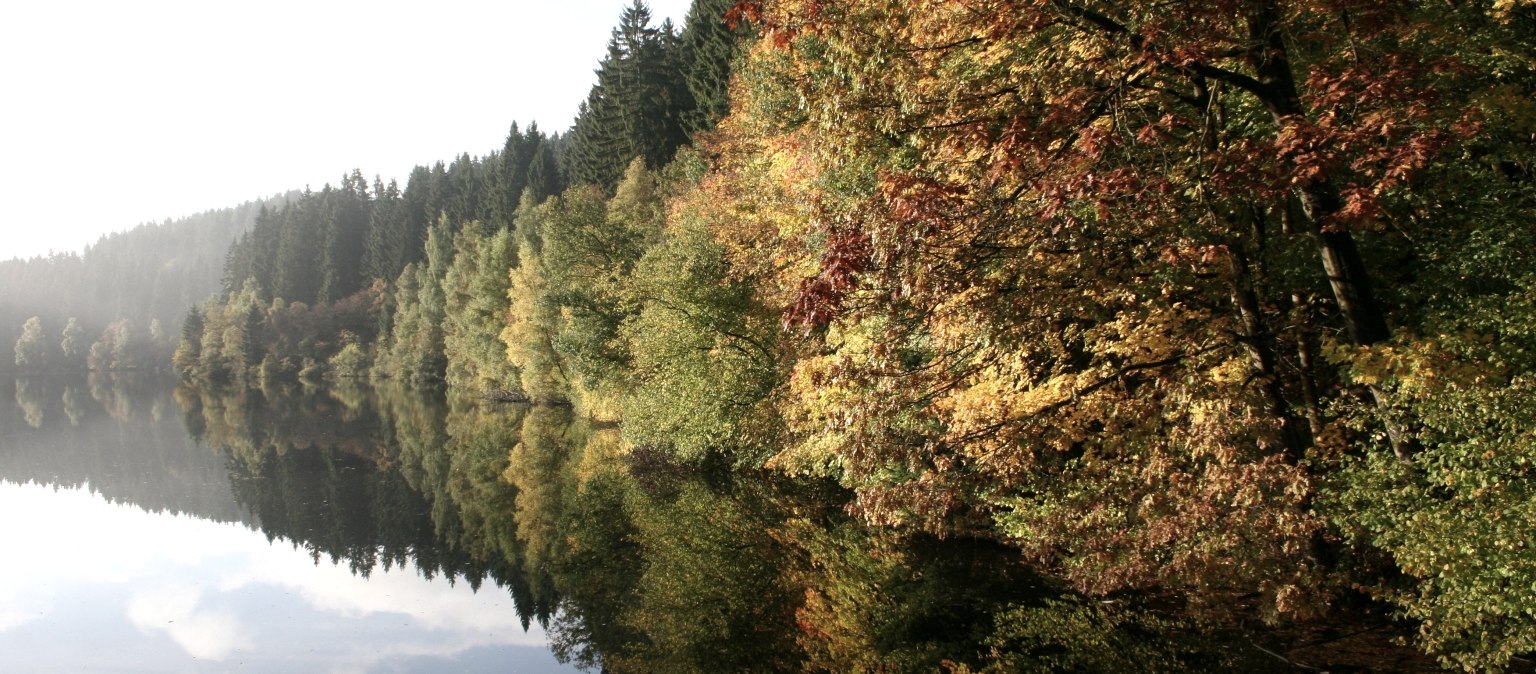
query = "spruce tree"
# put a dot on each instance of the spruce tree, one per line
(710, 47)
(385, 245)
(637, 106)
(544, 177)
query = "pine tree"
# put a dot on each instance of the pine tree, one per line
(544, 177)
(344, 219)
(299, 246)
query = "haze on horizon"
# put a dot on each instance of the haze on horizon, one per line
(122, 113)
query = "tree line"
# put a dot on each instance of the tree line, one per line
(117, 304)
(1224, 307)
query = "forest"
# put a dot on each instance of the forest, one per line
(117, 305)
(1217, 309)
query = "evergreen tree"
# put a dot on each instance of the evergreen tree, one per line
(386, 246)
(240, 259)
(189, 350)
(299, 246)
(464, 187)
(414, 352)
(344, 219)
(526, 162)
(637, 106)
(422, 204)
(710, 48)
(544, 177)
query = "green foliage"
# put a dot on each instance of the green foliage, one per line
(123, 346)
(1070, 635)
(588, 255)
(713, 595)
(531, 320)
(228, 340)
(476, 286)
(568, 293)
(1457, 518)
(32, 347)
(636, 108)
(1233, 309)
(152, 271)
(351, 361)
(72, 347)
(711, 46)
(414, 351)
(703, 352)
(185, 360)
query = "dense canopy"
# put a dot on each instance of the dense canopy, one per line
(1224, 306)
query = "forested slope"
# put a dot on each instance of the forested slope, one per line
(1219, 306)
(120, 285)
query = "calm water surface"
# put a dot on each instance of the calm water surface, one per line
(133, 546)
(162, 529)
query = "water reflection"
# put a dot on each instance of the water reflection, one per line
(406, 531)
(111, 587)
(277, 536)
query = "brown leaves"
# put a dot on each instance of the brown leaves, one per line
(847, 254)
(748, 11)
(1010, 244)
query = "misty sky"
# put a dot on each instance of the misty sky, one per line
(117, 113)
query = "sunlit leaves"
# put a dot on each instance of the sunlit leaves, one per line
(1048, 255)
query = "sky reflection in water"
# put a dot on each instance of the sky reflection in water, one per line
(90, 586)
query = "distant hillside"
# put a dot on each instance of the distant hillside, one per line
(153, 271)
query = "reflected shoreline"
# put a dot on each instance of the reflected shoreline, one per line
(627, 562)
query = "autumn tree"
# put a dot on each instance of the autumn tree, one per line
(532, 321)
(703, 349)
(72, 345)
(189, 348)
(1069, 266)
(32, 348)
(569, 293)
(475, 294)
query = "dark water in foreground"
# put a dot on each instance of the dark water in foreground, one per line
(149, 528)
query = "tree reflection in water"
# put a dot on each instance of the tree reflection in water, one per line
(628, 562)
(636, 565)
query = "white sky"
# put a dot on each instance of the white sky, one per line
(115, 113)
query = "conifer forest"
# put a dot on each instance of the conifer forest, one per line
(1219, 315)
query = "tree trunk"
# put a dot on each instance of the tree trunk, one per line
(1347, 276)
(1256, 339)
(1363, 315)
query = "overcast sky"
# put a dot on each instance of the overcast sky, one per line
(117, 113)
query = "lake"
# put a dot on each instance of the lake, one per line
(151, 527)
(135, 546)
